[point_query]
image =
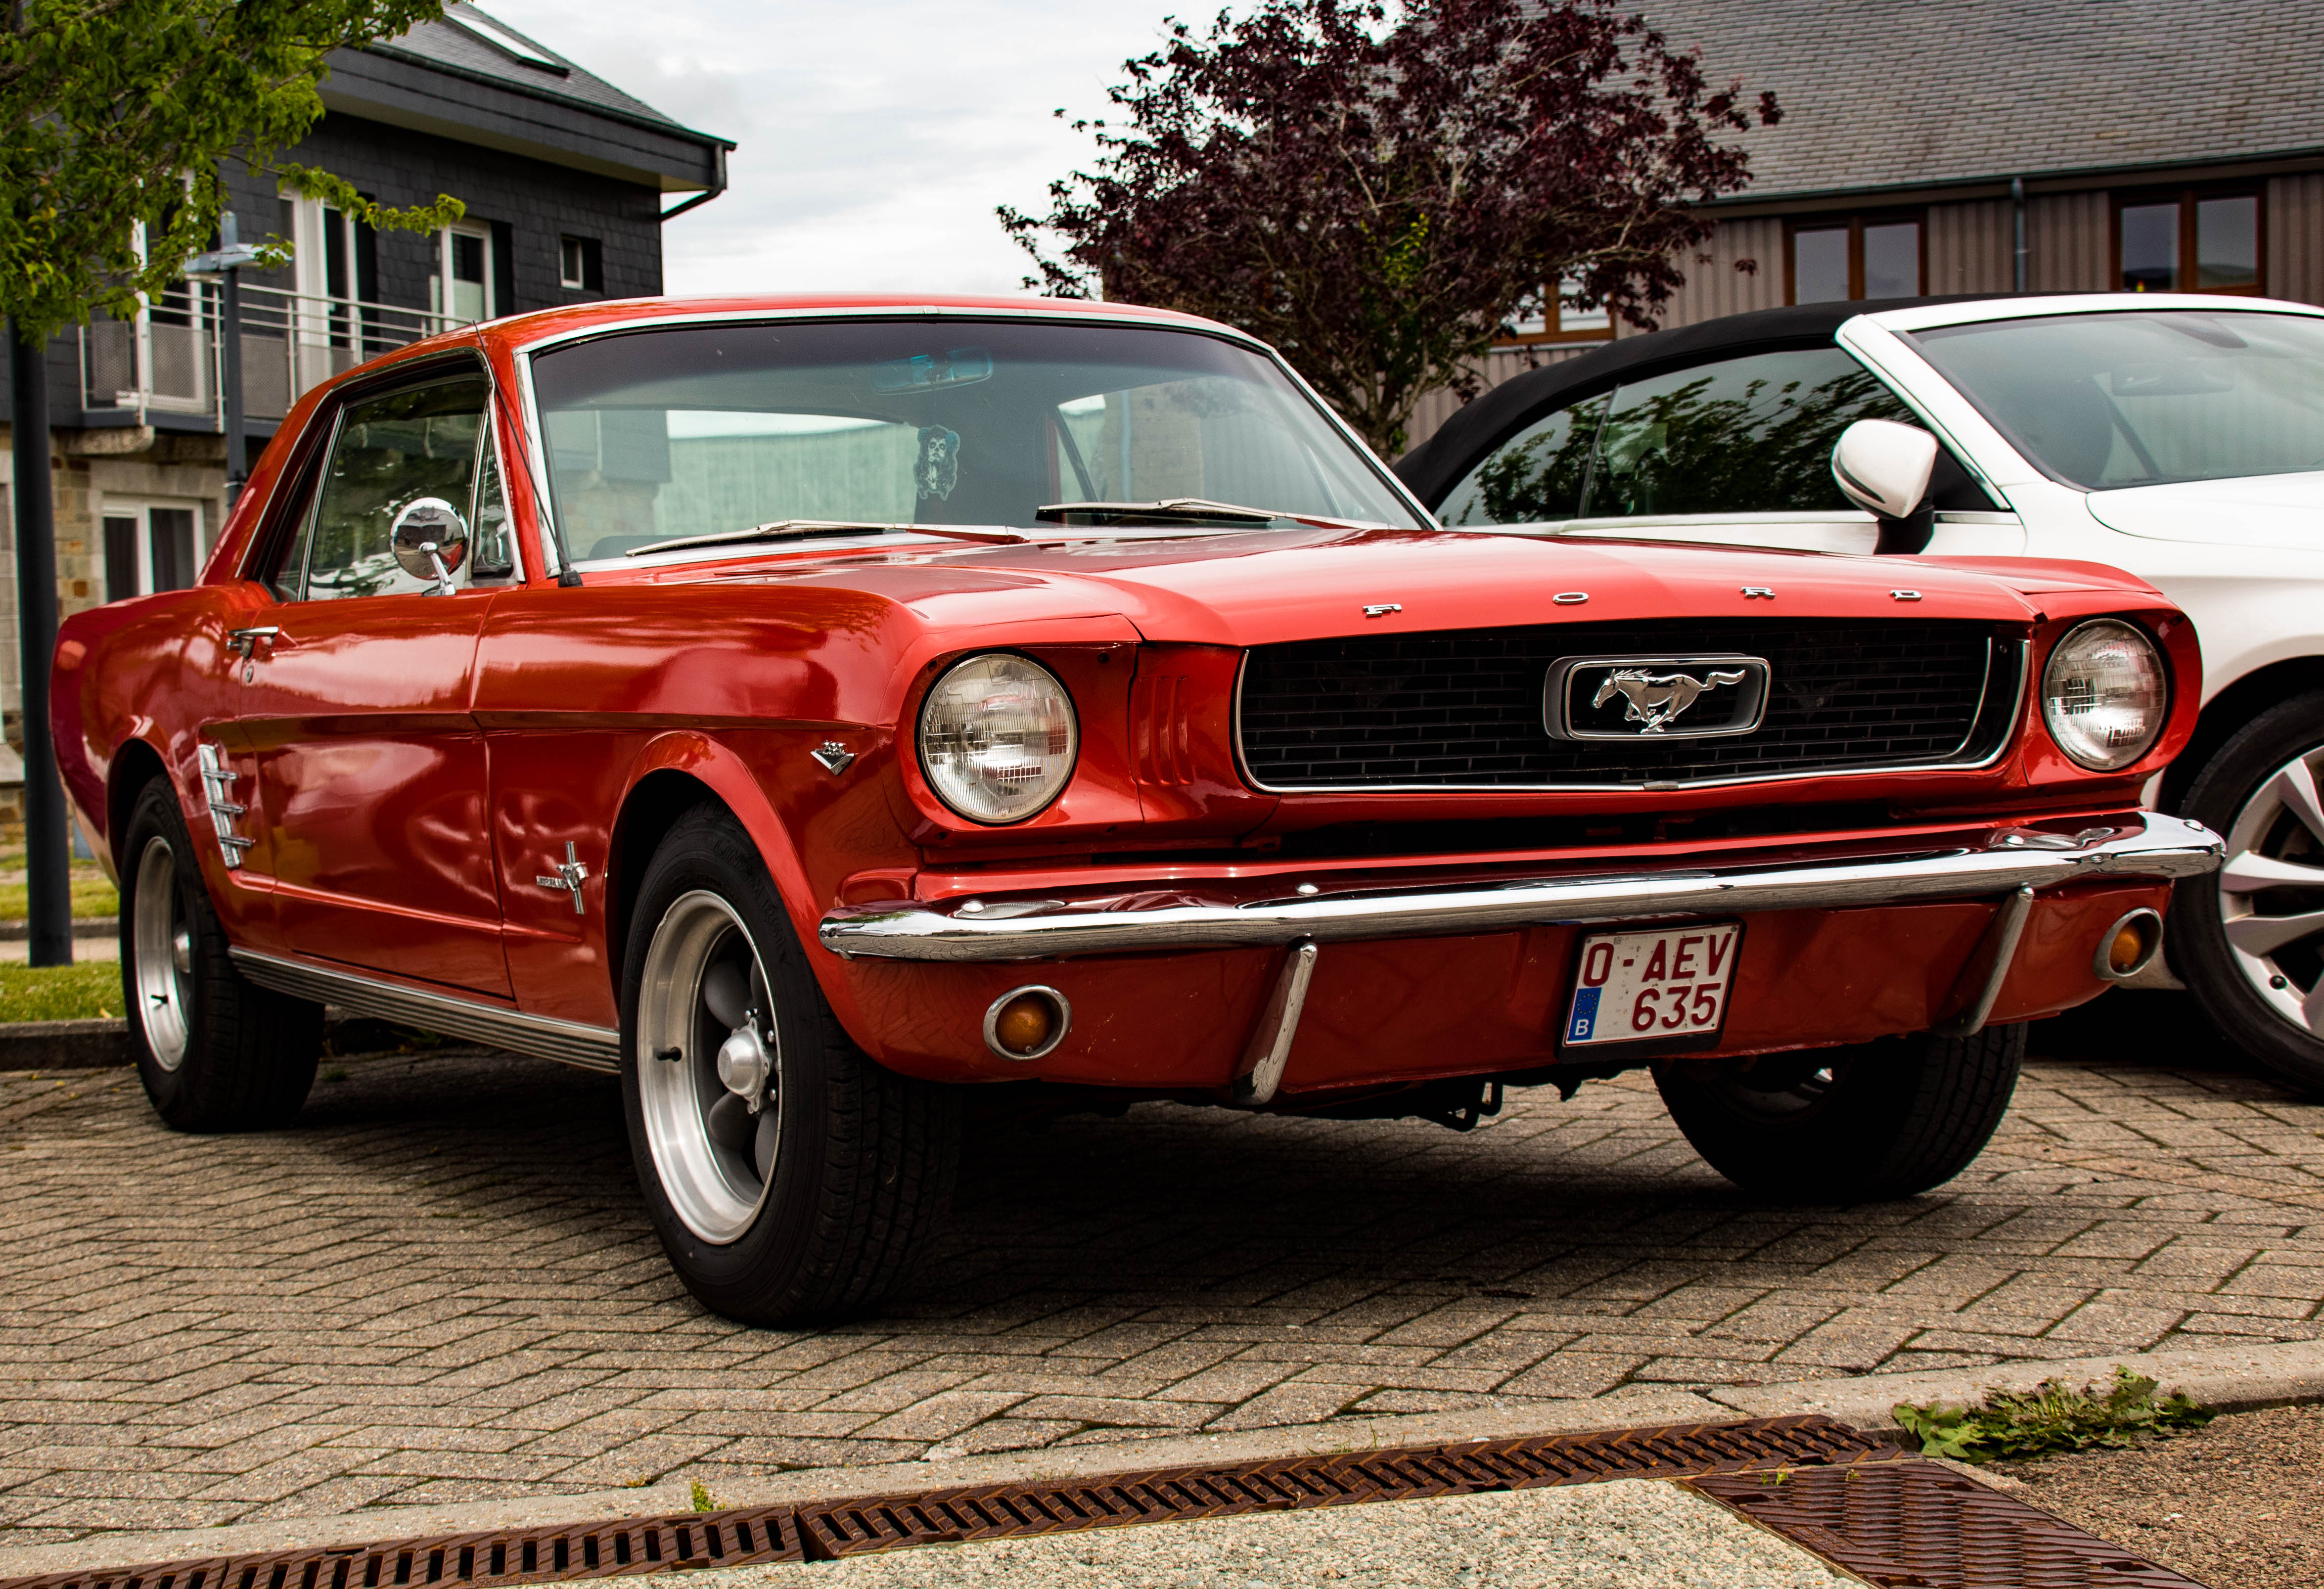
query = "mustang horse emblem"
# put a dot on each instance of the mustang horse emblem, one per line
(1655, 698)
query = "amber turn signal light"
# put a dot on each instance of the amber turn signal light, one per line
(1027, 1022)
(2128, 946)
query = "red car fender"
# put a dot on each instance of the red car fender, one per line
(733, 781)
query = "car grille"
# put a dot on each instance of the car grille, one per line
(1463, 709)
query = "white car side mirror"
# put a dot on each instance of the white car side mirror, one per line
(1884, 467)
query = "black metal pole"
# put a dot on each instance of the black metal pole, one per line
(48, 851)
(230, 363)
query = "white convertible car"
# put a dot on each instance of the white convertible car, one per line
(2178, 437)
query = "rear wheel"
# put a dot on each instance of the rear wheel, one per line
(216, 1051)
(1859, 1125)
(788, 1176)
(2249, 942)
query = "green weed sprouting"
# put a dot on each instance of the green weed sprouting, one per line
(2052, 1417)
(702, 1502)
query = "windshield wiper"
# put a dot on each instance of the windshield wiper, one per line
(1191, 510)
(815, 529)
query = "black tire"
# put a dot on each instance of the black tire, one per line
(863, 1163)
(217, 1052)
(1859, 1125)
(2231, 795)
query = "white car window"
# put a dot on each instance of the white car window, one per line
(2108, 401)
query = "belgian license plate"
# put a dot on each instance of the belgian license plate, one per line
(1667, 987)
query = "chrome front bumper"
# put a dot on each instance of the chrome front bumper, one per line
(2159, 848)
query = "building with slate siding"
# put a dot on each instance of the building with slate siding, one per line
(566, 180)
(1990, 145)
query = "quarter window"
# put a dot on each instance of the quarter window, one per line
(2188, 242)
(1833, 259)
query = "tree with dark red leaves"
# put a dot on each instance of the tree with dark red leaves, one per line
(1380, 196)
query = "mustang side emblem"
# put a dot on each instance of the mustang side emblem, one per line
(1655, 698)
(1660, 697)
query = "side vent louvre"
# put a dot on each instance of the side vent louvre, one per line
(1161, 720)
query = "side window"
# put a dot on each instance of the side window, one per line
(1748, 435)
(389, 452)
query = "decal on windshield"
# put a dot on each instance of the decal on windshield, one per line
(938, 468)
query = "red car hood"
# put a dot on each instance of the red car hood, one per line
(1249, 590)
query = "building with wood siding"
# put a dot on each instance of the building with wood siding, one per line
(1997, 146)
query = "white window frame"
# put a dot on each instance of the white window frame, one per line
(142, 508)
(442, 286)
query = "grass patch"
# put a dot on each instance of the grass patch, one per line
(91, 896)
(88, 991)
(2052, 1417)
(702, 1502)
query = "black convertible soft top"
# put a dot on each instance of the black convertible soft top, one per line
(1437, 465)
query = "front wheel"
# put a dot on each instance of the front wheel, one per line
(1865, 1123)
(2249, 942)
(216, 1051)
(789, 1177)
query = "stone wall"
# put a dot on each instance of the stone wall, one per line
(87, 469)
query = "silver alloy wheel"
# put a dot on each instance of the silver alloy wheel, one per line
(161, 942)
(2270, 891)
(709, 1067)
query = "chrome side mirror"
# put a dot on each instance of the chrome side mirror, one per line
(430, 541)
(1884, 467)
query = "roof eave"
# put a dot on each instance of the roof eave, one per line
(402, 89)
(2058, 180)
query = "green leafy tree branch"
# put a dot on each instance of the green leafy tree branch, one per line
(114, 116)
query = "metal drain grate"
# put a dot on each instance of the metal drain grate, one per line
(1914, 1525)
(998, 1511)
(506, 1556)
(1847, 1496)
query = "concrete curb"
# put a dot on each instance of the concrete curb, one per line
(104, 1045)
(64, 1044)
(16, 929)
(2229, 1378)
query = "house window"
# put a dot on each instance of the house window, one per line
(1831, 259)
(1553, 318)
(580, 264)
(463, 257)
(2188, 242)
(150, 547)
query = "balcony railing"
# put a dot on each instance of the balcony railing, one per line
(167, 359)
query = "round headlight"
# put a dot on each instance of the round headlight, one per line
(998, 737)
(2103, 695)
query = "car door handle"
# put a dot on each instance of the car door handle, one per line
(246, 640)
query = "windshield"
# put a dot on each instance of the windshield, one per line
(2146, 398)
(710, 429)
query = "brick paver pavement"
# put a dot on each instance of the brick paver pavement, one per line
(440, 1287)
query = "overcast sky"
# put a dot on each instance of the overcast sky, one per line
(875, 135)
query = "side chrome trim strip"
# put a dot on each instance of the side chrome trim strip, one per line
(2159, 847)
(569, 1042)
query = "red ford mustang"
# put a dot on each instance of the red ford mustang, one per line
(809, 707)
